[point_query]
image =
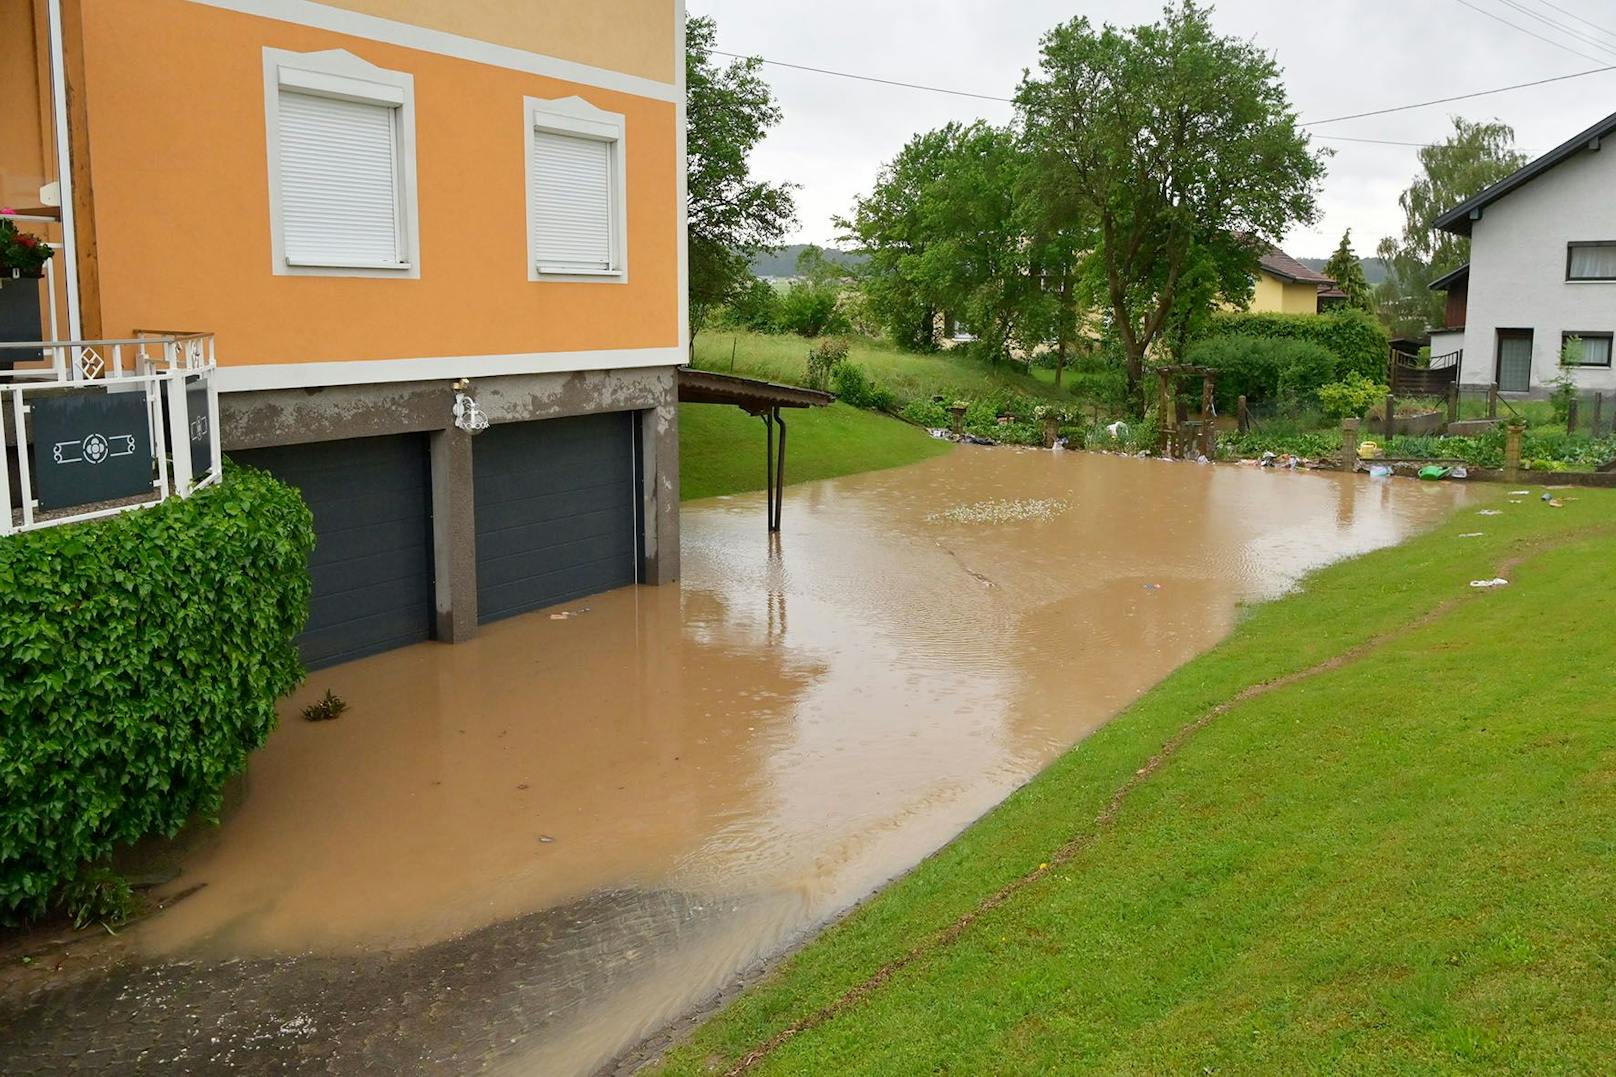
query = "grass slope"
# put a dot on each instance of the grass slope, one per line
(721, 449)
(911, 376)
(1403, 861)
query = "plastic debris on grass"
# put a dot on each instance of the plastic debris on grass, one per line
(1004, 511)
(1472, 534)
(1484, 585)
(1490, 512)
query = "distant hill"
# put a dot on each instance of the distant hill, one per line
(1374, 270)
(783, 262)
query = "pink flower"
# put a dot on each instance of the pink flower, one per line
(26, 240)
(7, 211)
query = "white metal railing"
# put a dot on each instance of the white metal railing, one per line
(167, 368)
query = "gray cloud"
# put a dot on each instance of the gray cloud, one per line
(1341, 57)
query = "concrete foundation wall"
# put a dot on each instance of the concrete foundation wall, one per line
(253, 420)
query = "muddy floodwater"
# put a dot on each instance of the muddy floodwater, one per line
(593, 816)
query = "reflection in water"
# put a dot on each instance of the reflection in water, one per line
(800, 719)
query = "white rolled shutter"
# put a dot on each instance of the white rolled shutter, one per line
(572, 203)
(339, 181)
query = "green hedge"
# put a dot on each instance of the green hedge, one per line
(140, 660)
(1356, 338)
(1266, 369)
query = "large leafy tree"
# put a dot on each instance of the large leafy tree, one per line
(1181, 147)
(1346, 270)
(728, 111)
(1471, 159)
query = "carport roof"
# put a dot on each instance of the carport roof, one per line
(706, 387)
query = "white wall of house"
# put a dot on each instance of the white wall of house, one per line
(1446, 342)
(1518, 270)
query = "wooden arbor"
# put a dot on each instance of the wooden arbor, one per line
(1175, 436)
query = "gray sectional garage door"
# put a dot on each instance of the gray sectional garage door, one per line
(372, 560)
(555, 511)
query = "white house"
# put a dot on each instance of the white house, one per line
(1542, 272)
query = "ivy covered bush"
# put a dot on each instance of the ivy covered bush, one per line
(140, 660)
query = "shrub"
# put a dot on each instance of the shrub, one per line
(1351, 397)
(853, 386)
(823, 359)
(926, 413)
(140, 660)
(810, 310)
(1356, 338)
(755, 307)
(1264, 369)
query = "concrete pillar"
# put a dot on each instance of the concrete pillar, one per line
(1349, 445)
(1512, 451)
(454, 536)
(659, 492)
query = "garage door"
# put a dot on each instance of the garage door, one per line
(372, 560)
(556, 511)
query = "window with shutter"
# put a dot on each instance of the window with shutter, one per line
(339, 181)
(572, 196)
(342, 167)
(577, 205)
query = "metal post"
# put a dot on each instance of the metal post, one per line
(19, 412)
(179, 434)
(779, 471)
(64, 168)
(768, 470)
(5, 474)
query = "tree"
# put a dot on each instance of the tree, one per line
(1174, 142)
(1346, 270)
(1473, 158)
(732, 216)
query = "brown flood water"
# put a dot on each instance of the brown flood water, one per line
(792, 724)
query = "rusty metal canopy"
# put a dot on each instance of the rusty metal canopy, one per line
(750, 394)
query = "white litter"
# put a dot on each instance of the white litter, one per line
(1471, 534)
(1494, 582)
(1519, 493)
(1490, 512)
(1118, 429)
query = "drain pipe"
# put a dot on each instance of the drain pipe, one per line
(64, 169)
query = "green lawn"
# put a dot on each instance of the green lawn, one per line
(1403, 860)
(721, 448)
(911, 376)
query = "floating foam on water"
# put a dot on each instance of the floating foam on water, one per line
(1003, 511)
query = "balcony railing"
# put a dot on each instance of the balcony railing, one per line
(97, 427)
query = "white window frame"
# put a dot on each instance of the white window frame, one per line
(575, 116)
(340, 74)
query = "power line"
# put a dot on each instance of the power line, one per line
(1570, 31)
(1529, 33)
(1462, 96)
(867, 78)
(1307, 123)
(1579, 18)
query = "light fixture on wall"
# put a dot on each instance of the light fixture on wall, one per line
(467, 415)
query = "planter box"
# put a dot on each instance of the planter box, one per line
(19, 317)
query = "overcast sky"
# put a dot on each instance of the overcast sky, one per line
(1342, 57)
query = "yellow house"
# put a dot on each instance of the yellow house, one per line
(402, 222)
(1286, 286)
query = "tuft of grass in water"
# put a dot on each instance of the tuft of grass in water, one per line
(1403, 862)
(325, 708)
(99, 896)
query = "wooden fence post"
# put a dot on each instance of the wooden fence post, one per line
(1599, 406)
(1512, 451)
(1242, 416)
(1492, 401)
(1391, 414)
(1349, 445)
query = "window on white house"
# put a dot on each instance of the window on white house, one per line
(576, 201)
(1591, 261)
(1586, 349)
(341, 141)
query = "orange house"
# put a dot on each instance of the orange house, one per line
(439, 244)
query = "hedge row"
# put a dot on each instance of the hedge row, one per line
(1357, 339)
(140, 660)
